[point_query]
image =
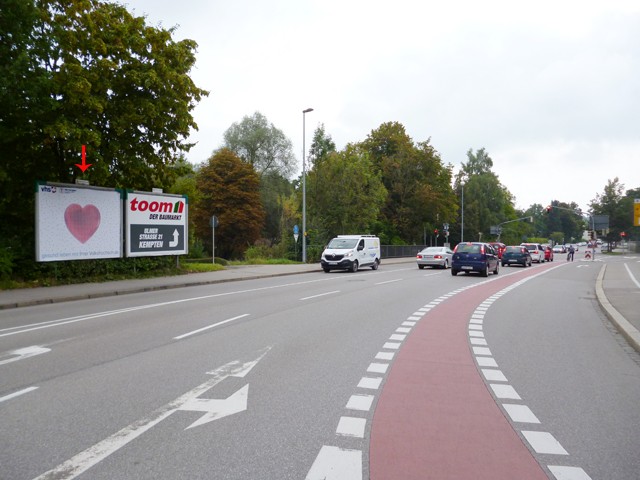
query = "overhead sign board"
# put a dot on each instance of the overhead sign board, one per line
(76, 222)
(156, 224)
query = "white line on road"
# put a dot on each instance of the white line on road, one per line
(389, 281)
(180, 337)
(320, 295)
(17, 394)
(631, 275)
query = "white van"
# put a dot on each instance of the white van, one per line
(350, 252)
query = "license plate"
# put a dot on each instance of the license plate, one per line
(466, 268)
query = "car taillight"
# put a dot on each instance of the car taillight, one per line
(482, 249)
(437, 256)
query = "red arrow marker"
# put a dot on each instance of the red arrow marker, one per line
(84, 165)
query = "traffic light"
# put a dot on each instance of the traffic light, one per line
(548, 208)
(592, 234)
(435, 231)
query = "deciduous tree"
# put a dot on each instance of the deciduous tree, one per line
(229, 189)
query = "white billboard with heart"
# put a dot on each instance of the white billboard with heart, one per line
(75, 222)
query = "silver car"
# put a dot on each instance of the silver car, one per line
(434, 257)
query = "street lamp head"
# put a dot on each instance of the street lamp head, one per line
(307, 110)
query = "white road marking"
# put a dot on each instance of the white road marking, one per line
(478, 341)
(544, 442)
(475, 326)
(633, 279)
(24, 353)
(370, 383)
(385, 355)
(520, 413)
(194, 332)
(17, 394)
(392, 345)
(486, 362)
(320, 295)
(389, 281)
(217, 408)
(92, 316)
(493, 375)
(409, 324)
(403, 330)
(378, 367)
(505, 391)
(360, 402)
(351, 427)
(476, 334)
(397, 337)
(101, 450)
(481, 351)
(334, 463)
(568, 473)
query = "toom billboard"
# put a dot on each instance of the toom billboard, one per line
(156, 224)
(76, 222)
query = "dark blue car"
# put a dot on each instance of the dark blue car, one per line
(475, 257)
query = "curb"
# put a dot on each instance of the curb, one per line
(631, 333)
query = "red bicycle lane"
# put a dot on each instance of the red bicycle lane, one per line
(435, 418)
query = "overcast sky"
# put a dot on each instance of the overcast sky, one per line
(551, 89)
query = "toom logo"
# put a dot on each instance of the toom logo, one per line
(154, 206)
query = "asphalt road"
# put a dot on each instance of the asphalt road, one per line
(290, 377)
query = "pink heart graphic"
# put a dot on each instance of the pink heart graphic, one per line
(82, 222)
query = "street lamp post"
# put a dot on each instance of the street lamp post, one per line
(304, 188)
(462, 219)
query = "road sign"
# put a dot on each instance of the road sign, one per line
(636, 212)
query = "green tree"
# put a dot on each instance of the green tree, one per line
(618, 206)
(350, 193)
(562, 217)
(486, 201)
(229, 189)
(321, 146)
(258, 142)
(86, 72)
(417, 182)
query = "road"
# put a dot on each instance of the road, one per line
(397, 373)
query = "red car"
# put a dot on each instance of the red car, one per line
(548, 253)
(499, 248)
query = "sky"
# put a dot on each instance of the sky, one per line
(550, 89)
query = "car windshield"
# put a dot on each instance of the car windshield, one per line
(432, 250)
(514, 249)
(343, 243)
(468, 248)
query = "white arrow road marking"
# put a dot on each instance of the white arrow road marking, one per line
(216, 409)
(333, 463)
(23, 353)
(101, 450)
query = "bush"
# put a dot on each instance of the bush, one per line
(6, 263)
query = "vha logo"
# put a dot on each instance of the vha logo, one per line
(47, 189)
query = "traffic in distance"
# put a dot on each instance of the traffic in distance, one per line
(485, 258)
